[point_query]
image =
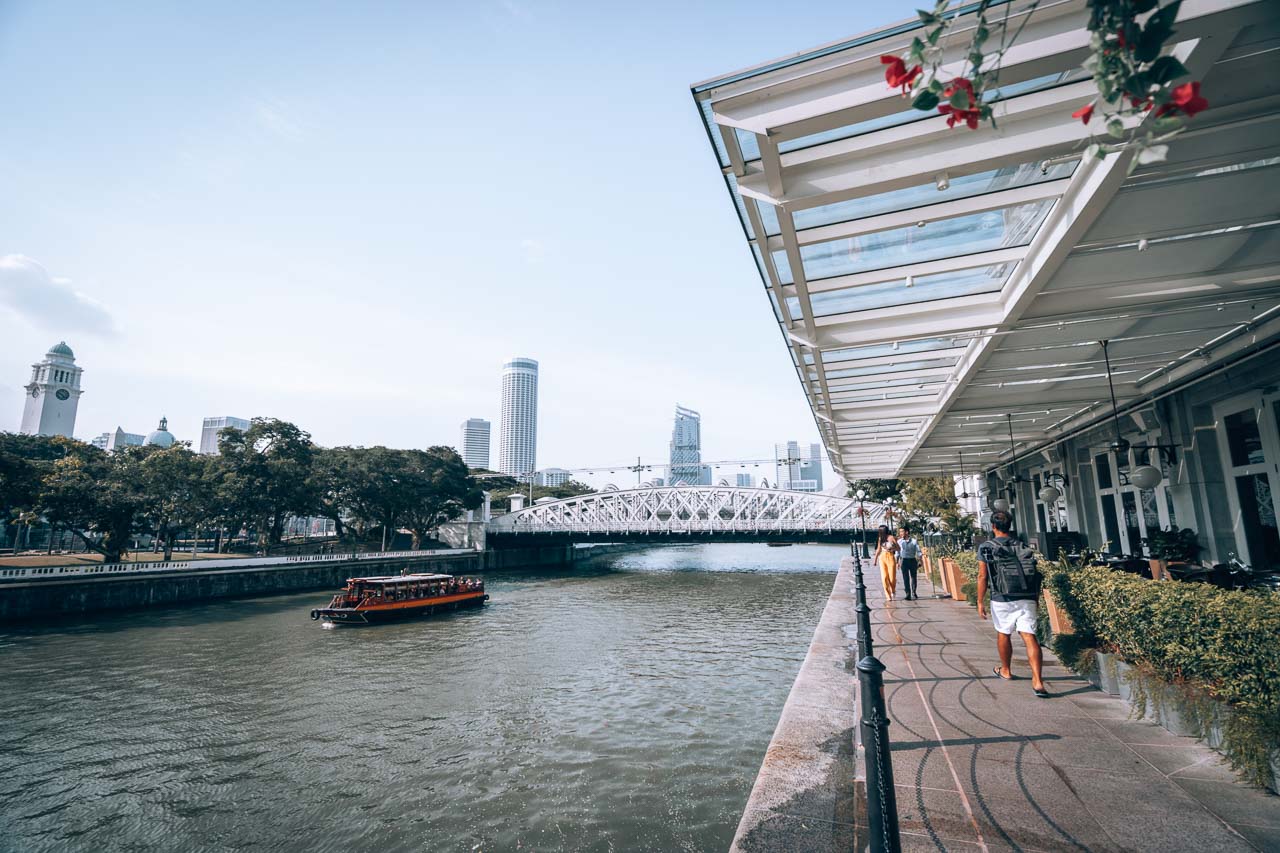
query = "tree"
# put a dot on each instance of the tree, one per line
(877, 490)
(265, 474)
(501, 499)
(176, 491)
(24, 462)
(440, 487)
(929, 498)
(89, 491)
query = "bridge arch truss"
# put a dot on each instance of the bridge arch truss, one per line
(679, 510)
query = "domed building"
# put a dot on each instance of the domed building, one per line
(160, 437)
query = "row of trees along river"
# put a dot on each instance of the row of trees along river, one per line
(260, 478)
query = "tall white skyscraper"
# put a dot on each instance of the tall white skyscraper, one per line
(212, 426)
(518, 432)
(53, 394)
(475, 442)
(799, 469)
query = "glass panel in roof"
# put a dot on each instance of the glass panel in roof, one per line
(964, 186)
(884, 384)
(877, 350)
(769, 218)
(926, 288)
(861, 397)
(924, 364)
(943, 238)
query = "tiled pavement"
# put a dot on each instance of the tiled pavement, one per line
(983, 764)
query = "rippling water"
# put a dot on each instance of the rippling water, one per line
(625, 706)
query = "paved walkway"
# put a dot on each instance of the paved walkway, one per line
(982, 764)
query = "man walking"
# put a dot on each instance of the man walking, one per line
(1008, 568)
(908, 560)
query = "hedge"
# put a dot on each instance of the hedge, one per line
(1207, 641)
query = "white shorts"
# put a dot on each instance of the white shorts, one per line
(1010, 616)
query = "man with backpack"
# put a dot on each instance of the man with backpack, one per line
(1008, 569)
(908, 561)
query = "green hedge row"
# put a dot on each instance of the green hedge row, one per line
(1204, 640)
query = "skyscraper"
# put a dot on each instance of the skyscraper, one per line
(212, 426)
(53, 394)
(475, 442)
(799, 470)
(518, 431)
(686, 450)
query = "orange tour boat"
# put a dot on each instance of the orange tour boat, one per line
(381, 599)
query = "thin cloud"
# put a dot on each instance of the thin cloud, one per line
(27, 289)
(534, 251)
(273, 117)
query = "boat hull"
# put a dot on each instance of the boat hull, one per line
(397, 611)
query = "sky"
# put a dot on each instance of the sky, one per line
(350, 215)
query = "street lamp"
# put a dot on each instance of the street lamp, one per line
(889, 504)
(862, 514)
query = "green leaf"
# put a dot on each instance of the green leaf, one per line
(975, 59)
(1166, 68)
(980, 35)
(1157, 31)
(960, 99)
(935, 86)
(934, 35)
(1095, 150)
(926, 100)
(1166, 124)
(927, 17)
(1141, 7)
(1115, 127)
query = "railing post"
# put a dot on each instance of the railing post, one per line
(861, 608)
(882, 803)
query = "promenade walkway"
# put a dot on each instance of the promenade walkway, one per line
(982, 764)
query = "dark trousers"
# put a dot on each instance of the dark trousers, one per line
(909, 566)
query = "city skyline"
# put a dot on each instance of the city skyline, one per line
(222, 266)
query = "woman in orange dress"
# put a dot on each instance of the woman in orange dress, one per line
(887, 559)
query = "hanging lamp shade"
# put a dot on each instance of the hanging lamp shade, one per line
(1000, 505)
(1146, 476)
(1049, 494)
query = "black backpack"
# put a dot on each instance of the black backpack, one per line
(1014, 575)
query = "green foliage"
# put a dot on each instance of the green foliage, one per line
(501, 500)
(92, 492)
(925, 499)
(877, 490)
(1179, 546)
(1196, 637)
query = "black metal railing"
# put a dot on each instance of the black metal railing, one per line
(882, 803)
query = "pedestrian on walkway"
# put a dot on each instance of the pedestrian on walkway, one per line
(1008, 568)
(908, 561)
(887, 559)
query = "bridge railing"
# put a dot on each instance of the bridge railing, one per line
(695, 525)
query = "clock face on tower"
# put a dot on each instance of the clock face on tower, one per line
(63, 394)
(35, 392)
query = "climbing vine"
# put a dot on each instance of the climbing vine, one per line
(1128, 61)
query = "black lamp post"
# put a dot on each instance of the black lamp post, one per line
(862, 514)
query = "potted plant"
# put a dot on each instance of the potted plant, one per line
(1170, 546)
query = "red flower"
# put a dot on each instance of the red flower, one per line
(1184, 99)
(970, 115)
(1085, 113)
(1120, 42)
(1139, 102)
(897, 75)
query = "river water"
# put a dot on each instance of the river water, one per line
(625, 705)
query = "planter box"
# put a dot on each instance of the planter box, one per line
(1275, 772)
(1124, 685)
(1107, 674)
(1173, 716)
(1059, 621)
(1093, 679)
(955, 578)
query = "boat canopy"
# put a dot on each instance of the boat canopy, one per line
(389, 579)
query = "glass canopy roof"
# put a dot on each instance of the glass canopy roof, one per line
(902, 258)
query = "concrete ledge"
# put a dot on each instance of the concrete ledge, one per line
(805, 797)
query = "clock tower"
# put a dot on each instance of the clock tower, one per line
(53, 394)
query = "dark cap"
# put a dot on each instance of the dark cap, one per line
(1002, 520)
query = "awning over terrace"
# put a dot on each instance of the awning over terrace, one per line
(929, 281)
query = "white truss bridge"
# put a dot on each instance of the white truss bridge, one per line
(709, 512)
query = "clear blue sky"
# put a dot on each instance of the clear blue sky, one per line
(348, 215)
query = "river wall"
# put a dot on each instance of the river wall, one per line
(807, 793)
(45, 598)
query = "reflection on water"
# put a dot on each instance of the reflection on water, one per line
(622, 707)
